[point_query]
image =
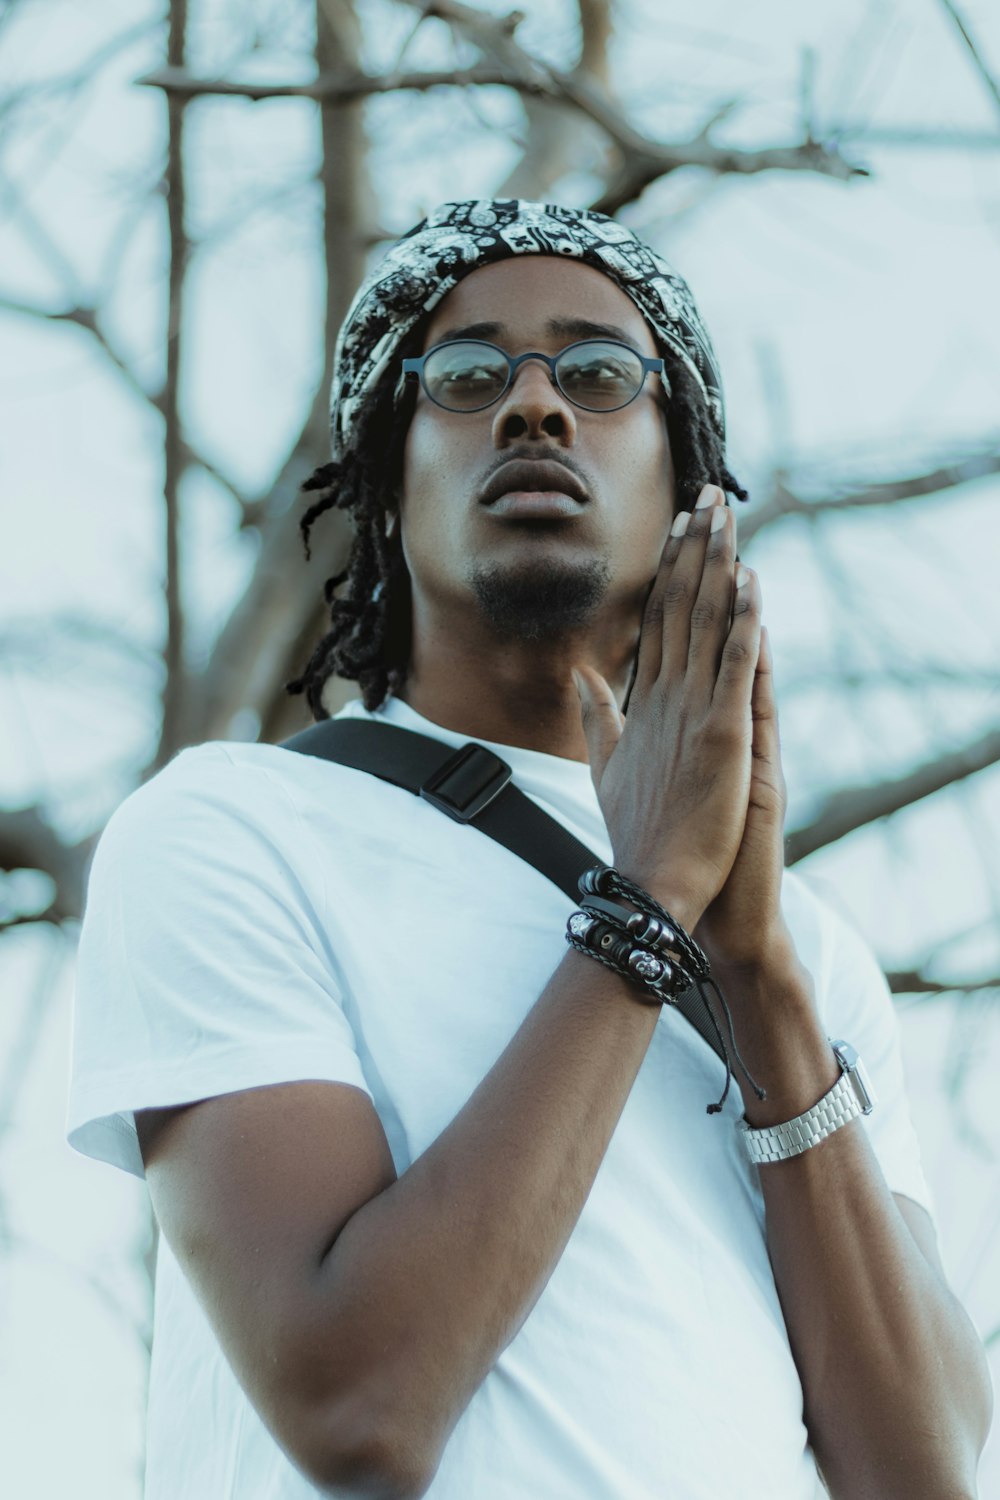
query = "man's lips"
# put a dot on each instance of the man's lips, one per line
(533, 486)
(538, 505)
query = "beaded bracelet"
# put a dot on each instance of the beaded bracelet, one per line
(651, 949)
(603, 881)
(613, 947)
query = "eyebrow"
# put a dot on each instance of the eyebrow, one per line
(573, 328)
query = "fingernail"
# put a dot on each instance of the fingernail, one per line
(718, 520)
(742, 576)
(579, 682)
(709, 496)
(681, 522)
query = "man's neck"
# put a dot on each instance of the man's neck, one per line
(512, 692)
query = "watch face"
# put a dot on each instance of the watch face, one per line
(863, 1086)
(855, 1069)
(846, 1055)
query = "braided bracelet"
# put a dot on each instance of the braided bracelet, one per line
(613, 947)
(651, 949)
(603, 881)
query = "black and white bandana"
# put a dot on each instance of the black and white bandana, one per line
(460, 237)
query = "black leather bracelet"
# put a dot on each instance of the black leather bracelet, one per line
(616, 950)
(603, 881)
(636, 944)
(650, 932)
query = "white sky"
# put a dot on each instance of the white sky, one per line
(875, 302)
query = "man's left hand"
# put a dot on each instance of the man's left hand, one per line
(743, 928)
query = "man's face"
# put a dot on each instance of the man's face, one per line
(531, 573)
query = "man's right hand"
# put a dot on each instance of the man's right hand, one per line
(673, 778)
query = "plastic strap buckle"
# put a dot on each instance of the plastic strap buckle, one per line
(467, 783)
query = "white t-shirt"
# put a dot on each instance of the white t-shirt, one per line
(257, 916)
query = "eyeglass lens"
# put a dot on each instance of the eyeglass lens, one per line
(595, 374)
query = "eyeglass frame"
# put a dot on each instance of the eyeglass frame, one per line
(650, 366)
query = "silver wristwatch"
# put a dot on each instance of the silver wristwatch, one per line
(851, 1095)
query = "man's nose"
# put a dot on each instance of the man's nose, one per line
(532, 406)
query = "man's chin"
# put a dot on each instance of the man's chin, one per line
(540, 599)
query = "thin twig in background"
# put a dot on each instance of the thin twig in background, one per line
(992, 87)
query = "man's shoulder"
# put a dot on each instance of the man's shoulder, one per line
(214, 773)
(245, 795)
(220, 817)
(208, 789)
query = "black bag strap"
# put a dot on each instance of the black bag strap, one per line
(471, 785)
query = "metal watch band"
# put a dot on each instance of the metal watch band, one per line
(851, 1096)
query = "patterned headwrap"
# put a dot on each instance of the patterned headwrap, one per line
(460, 237)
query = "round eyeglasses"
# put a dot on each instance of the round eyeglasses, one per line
(595, 374)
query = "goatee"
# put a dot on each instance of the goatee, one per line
(540, 600)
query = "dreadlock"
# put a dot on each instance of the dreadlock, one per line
(369, 636)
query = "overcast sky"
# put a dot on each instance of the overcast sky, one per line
(857, 329)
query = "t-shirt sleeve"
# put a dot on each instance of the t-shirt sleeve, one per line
(857, 1007)
(205, 964)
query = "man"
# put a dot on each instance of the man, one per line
(443, 1211)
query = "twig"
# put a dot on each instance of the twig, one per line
(856, 807)
(172, 729)
(191, 457)
(977, 57)
(556, 141)
(69, 83)
(643, 159)
(913, 982)
(343, 86)
(258, 648)
(87, 317)
(596, 31)
(784, 502)
(408, 41)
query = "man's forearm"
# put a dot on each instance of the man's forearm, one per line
(429, 1281)
(897, 1398)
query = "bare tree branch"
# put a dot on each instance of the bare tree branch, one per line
(87, 317)
(993, 88)
(253, 656)
(70, 83)
(641, 159)
(855, 807)
(37, 232)
(784, 502)
(558, 141)
(248, 504)
(29, 842)
(643, 168)
(341, 87)
(913, 982)
(263, 642)
(174, 696)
